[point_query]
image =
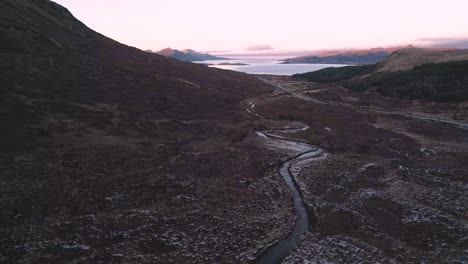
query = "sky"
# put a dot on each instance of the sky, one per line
(275, 26)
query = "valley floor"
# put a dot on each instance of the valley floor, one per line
(393, 189)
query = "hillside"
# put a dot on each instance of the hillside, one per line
(406, 59)
(336, 74)
(409, 73)
(358, 57)
(188, 55)
(432, 81)
(108, 152)
(63, 59)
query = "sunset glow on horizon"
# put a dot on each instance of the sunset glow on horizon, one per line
(276, 26)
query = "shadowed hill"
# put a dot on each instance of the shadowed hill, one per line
(431, 81)
(52, 61)
(406, 59)
(336, 74)
(105, 148)
(357, 57)
(409, 73)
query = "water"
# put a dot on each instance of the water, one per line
(283, 248)
(278, 252)
(259, 66)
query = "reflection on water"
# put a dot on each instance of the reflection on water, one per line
(257, 66)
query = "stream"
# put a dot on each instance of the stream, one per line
(289, 170)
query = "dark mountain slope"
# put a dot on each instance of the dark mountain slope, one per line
(407, 59)
(45, 47)
(111, 154)
(359, 57)
(432, 81)
(336, 74)
(409, 73)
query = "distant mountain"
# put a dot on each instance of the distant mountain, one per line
(188, 55)
(359, 57)
(411, 73)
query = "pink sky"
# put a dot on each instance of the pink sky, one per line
(275, 25)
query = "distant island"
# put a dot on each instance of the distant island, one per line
(355, 57)
(187, 55)
(225, 64)
(233, 64)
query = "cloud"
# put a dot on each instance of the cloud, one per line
(444, 42)
(260, 47)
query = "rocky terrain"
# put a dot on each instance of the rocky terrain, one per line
(109, 154)
(393, 189)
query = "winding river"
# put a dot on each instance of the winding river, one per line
(288, 171)
(292, 167)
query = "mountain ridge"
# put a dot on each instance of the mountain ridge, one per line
(357, 56)
(410, 57)
(411, 73)
(188, 55)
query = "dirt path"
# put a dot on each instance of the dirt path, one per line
(400, 113)
(281, 87)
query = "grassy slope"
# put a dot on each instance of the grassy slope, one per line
(439, 82)
(84, 117)
(336, 74)
(406, 59)
(49, 59)
(432, 81)
(344, 58)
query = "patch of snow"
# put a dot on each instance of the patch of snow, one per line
(428, 152)
(252, 106)
(115, 197)
(416, 217)
(75, 246)
(261, 134)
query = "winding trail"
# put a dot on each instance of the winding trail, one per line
(298, 95)
(250, 110)
(288, 170)
(463, 125)
(426, 118)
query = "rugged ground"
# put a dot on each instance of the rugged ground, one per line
(109, 154)
(393, 190)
